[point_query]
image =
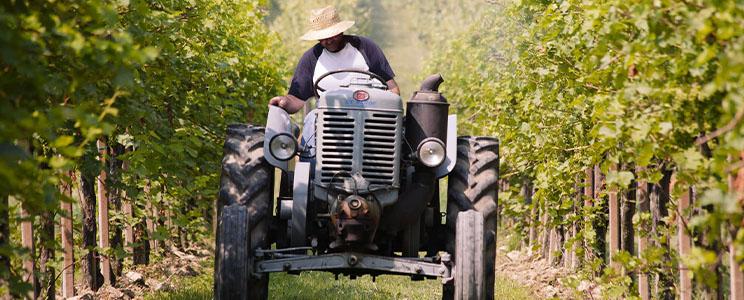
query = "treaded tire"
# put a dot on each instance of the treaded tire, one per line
(247, 181)
(232, 272)
(473, 185)
(470, 270)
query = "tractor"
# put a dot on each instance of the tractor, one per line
(364, 198)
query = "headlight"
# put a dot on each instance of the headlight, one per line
(431, 152)
(283, 146)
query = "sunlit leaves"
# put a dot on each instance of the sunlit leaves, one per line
(588, 82)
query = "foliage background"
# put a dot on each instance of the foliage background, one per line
(570, 84)
(565, 85)
(160, 77)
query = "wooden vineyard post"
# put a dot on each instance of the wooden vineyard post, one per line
(573, 260)
(27, 241)
(544, 231)
(527, 187)
(736, 275)
(588, 197)
(600, 221)
(68, 260)
(644, 207)
(149, 223)
(614, 222)
(103, 233)
(127, 209)
(684, 242)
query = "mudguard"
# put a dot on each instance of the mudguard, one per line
(451, 159)
(277, 122)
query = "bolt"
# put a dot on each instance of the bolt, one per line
(441, 271)
(353, 260)
(355, 203)
(419, 269)
(287, 266)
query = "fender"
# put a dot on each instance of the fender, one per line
(451, 159)
(277, 122)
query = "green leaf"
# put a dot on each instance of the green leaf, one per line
(63, 141)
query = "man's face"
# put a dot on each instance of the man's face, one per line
(334, 43)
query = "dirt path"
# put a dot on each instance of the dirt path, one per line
(534, 273)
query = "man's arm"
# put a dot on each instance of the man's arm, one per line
(288, 102)
(393, 86)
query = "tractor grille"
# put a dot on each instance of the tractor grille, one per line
(358, 141)
(336, 150)
(379, 148)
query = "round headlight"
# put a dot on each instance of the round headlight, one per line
(283, 146)
(431, 152)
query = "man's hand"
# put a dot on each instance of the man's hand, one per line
(280, 101)
(393, 86)
(289, 103)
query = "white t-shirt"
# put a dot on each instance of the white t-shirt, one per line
(348, 57)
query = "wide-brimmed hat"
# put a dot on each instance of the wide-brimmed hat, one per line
(325, 23)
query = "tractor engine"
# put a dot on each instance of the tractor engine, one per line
(358, 154)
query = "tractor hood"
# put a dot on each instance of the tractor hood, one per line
(379, 100)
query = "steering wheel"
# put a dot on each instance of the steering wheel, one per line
(317, 88)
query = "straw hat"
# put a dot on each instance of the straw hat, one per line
(325, 23)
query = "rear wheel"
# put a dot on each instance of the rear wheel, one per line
(473, 186)
(245, 212)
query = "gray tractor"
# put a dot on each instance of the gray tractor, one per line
(363, 199)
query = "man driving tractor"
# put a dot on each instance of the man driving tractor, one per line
(334, 51)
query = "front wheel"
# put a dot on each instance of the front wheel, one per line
(233, 263)
(473, 189)
(244, 212)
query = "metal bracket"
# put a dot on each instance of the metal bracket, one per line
(300, 195)
(352, 260)
(449, 162)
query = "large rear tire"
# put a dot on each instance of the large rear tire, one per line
(473, 185)
(247, 182)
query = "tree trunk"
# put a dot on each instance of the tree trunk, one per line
(736, 279)
(68, 260)
(627, 210)
(600, 217)
(150, 220)
(659, 200)
(644, 208)
(92, 277)
(614, 222)
(545, 232)
(141, 254)
(115, 201)
(4, 240)
(46, 257)
(29, 264)
(588, 203)
(103, 217)
(527, 191)
(684, 241)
